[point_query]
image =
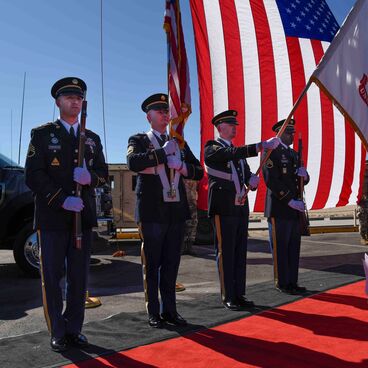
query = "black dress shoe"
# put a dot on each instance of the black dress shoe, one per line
(244, 302)
(285, 290)
(298, 289)
(174, 319)
(232, 305)
(58, 344)
(154, 320)
(77, 340)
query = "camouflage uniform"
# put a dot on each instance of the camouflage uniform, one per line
(363, 209)
(191, 224)
(363, 220)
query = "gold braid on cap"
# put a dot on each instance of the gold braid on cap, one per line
(68, 86)
(224, 117)
(155, 102)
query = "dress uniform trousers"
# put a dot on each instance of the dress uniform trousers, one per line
(58, 257)
(231, 254)
(286, 234)
(161, 249)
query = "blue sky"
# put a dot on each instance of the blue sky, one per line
(51, 39)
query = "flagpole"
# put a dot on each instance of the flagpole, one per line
(11, 134)
(21, 118)
(286, 122)
(103, 80)
(172, 189)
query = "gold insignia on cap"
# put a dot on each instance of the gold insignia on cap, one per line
(55, 162)
(234, 113)
(75, 81)
(163, 98)
(31, 150)
(282, 193)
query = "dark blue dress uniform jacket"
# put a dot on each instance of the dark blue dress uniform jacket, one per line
(221, 192)
(150, 206)
(51, 159)
(280, 175)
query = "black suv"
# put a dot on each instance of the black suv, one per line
(16, 217)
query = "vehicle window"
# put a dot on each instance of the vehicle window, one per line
(5, 161)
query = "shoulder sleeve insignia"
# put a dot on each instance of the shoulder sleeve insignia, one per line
(31, 150)
(90, 142)
(269, 164)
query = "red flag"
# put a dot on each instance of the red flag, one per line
(255, 56)
(178, 71)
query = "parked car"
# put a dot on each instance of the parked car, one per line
(16, 215)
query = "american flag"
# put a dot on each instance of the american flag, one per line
(256, 56)
(178, 71)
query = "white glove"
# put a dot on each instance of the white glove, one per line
(82, 176)
(170, 147)
(297, 205)
(254, 181)
(302, 172)
(174, 162)
(74, 204)
(271, 143)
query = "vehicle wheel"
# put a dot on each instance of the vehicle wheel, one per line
(26, 250)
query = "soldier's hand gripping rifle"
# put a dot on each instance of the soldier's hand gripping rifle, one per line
(303, 216)
(78, 188)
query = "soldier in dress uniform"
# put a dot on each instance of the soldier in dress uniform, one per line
(161, 207)
(51, 173)
(228, 175)
(281, 175)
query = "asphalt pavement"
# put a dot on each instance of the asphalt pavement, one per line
(327, 261)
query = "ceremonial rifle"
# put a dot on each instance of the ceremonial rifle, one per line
(78, 189)
(303, 216)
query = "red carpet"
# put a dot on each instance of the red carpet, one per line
(326, 330)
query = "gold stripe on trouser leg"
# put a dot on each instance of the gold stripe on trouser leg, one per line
(144, 266)
(219, 255)
(44, 299)
(274, 249)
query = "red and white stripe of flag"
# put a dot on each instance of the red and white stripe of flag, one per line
(246, 63)
(178, 71)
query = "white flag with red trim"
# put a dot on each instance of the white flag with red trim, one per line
(343, 71)
(255, 56)
(178, 72)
